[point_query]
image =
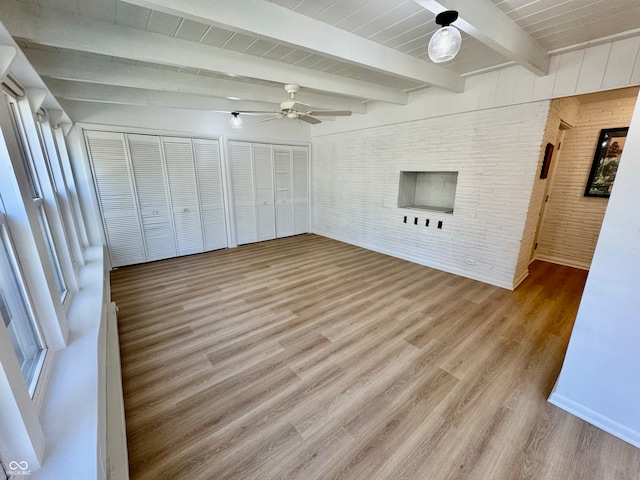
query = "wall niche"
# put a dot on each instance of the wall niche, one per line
(435, 191)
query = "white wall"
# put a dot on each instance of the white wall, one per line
(355, 179)
(600, 378)
(572, 221)
(158, 120)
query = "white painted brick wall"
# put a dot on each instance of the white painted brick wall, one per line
(594, 68)
(572, 221)
(356, 176)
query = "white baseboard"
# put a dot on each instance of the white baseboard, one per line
(117, 456)
(409, 258)
(594, 418)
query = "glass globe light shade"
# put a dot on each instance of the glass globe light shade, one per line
(445, 44)
(236, 121)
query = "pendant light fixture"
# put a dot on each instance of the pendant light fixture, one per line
(445, 43)
(236, 121)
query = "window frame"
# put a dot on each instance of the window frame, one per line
(29, 243)
(5, 235)
(61, 284)
(63, 187)
(37, 165)
(21, 431)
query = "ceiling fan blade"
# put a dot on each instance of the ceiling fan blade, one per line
(257, 112)
(330, 113)
(309, 119)
(269, 119)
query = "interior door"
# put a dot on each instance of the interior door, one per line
(548, 186)
(300, 190)
(242, 189)
(181, 176)
(263, 175)
(283, 191)
(116, 197)
(153, 197)
(209, 176)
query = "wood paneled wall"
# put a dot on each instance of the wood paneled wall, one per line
(572, 221)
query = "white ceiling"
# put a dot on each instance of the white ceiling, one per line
(237, 54)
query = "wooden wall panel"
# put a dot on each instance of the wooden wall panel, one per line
(572, 221)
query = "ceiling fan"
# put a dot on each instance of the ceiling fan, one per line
(294, 109)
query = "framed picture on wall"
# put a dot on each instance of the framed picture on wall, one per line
(605, 162)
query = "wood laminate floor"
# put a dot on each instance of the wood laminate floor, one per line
(306, 358)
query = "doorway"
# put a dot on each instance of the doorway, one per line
(568, 222)
(555, 158)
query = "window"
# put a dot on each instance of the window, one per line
(35, 186)
(32, 177)
(59, 183)
(51, 252)
(36, 272)
(16, 312)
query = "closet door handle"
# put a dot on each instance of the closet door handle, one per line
(186, 210)
(155, 212)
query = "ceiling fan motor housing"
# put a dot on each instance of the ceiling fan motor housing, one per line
(292, 89)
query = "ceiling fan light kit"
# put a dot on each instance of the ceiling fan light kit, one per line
(445, 43)
(236, 121)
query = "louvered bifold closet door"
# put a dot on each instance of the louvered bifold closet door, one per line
(300, 190)
(181, 176)
(283, 190)
(153, 198)
(242, 189)
(209, 175)
(116, 197)
(263, 175)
